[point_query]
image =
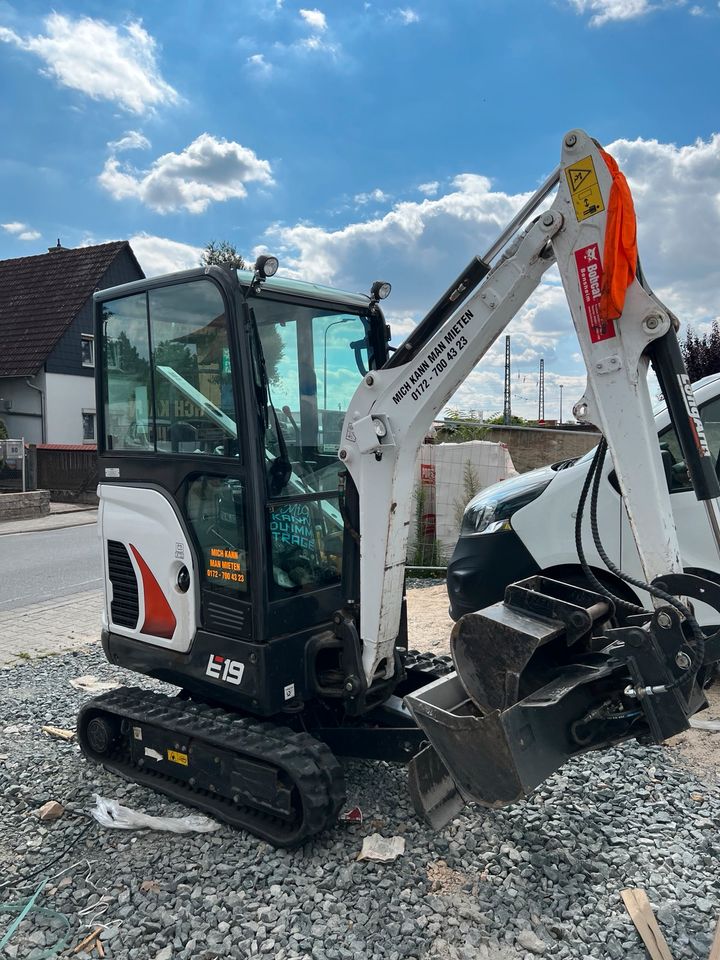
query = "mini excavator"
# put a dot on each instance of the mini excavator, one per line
(257, 446)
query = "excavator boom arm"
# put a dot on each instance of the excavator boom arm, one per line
(393, 408)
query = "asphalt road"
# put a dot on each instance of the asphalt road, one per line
(47, 564)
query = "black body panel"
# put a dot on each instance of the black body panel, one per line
(482, 566)
(273, 674)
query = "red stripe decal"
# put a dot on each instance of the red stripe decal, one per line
(159, 619)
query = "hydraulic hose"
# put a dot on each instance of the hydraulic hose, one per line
(698, 645)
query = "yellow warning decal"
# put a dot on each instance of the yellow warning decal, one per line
(584, 189)
(175, 757)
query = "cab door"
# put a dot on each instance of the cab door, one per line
(173, 484)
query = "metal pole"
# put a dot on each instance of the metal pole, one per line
(22, 453)
(507, 403)
(522, 215)
(561, 390)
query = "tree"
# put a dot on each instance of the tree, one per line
(222, 254)
(499, 420)
(702, 354)
(463, 427)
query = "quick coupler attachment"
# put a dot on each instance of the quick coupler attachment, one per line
(540, 678)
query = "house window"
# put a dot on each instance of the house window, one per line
(87, 350)
(88, 420)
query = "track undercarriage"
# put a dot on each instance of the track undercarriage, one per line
(275, 780)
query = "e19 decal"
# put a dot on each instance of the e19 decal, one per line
(223, 668)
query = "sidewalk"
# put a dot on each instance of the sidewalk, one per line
(61, 515)
(53, 626)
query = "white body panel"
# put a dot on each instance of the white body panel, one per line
(145, 520)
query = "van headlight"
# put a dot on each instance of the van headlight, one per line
(483, 519)
(490, 510)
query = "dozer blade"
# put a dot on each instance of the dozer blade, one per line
(537, 682)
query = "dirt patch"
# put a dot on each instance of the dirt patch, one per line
(429, 622)
(700, 749)
(445, 880)
(429, 627)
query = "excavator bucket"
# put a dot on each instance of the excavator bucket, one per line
(537, 681)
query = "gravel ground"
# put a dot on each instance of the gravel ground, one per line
(540, 878)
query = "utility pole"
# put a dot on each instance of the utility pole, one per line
(507, 411)
(561, 390)
(541, 393)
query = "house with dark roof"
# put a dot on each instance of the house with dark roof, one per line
(47, 347)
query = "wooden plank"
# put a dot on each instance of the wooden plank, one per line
(715, 948)
(641, 914)
(88, 940)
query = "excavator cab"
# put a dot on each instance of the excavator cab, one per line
(221, 399)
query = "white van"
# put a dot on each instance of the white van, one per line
(525, 525)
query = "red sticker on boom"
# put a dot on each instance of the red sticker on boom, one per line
(590, 275)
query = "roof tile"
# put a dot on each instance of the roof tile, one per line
(40, 296)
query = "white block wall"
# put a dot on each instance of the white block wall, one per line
(491, 462)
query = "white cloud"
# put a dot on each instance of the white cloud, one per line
(420, 247)
(603, 11)
(99, 59)
(315, 19)
(430, 189)
(317, 42)
(157, 255)
(407, 15)
(132, 140)
(409, 234)
(374, 196)
(20, 230)
(208, 170)
(677, 197)
(259, 64)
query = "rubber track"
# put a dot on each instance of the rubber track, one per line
(436, 665)
(308, 763)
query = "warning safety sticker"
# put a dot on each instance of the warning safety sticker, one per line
(589, 268)
(584, 189)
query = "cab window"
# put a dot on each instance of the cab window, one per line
(314, 360)
(194, 403)
(675, 468)
(127, 379)
(167, 374)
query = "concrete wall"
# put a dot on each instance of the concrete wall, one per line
(66, 397)
(20, 506)
(24, 418)
(532, 447)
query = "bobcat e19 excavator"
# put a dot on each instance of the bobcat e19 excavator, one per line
(257, 450)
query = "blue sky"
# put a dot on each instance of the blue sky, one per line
(363, 140)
